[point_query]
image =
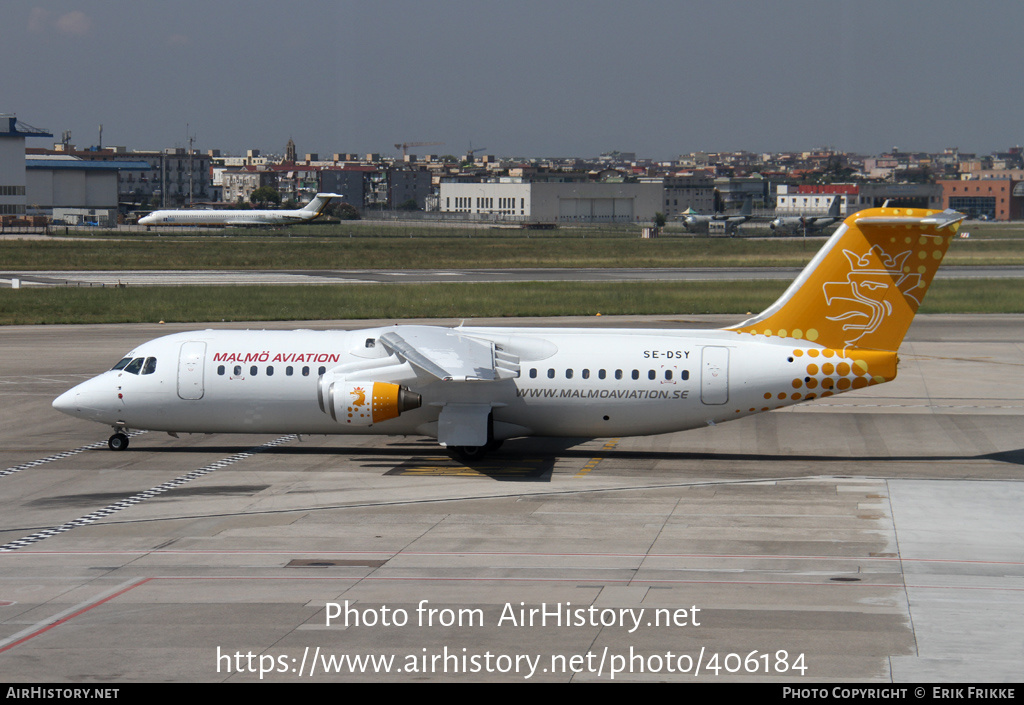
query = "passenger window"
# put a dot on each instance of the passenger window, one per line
(551, 374)
(636, 374)
(270, 371)
(586, 374)
(289, 370)
(668, 374)
(238, 370)
(651, 374)
(150, 366)
(533, 373)
(568, 374)
(220, 370)
(135, 365)
(305, 372)
(618, 374)
(601, 374)
(121, 363)
(685, 374)
(321, 370)
(253, 370)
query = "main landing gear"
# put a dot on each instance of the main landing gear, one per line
(119, 441)
(474, 453)
(471, 453)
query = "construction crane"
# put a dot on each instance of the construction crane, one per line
(404, 146)
(471, 152)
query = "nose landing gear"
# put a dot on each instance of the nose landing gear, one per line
(119, 441)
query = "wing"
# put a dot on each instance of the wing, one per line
(449, 355)
(452, 356)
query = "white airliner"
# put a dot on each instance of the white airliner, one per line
(199, 216)
(836, 328)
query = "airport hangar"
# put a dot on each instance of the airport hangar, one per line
(65, 187)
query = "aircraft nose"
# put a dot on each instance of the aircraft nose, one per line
(90, 400)
(65, 402)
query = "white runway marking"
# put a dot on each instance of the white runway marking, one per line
(55, 379)
(141, 496)
(54, 620)
(66, 454)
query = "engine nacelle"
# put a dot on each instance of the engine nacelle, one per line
(364, 403)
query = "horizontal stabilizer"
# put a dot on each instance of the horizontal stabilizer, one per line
(939, 220)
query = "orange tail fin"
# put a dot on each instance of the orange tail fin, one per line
(865, 285)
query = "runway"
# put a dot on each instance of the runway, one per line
(873, 536)
(418, 276)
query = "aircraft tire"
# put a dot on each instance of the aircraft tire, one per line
(476, 452)
(118, 441)
(470, 452)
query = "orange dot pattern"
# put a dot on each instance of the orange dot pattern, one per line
(846, 370)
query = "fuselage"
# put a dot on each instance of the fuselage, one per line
(311, 210)
(225, 217)
(571, 382)
(696, 223)
(800, 223)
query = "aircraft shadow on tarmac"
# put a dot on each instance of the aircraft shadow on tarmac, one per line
(92, 499)
(533, 459)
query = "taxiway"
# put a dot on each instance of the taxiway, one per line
(873, 536)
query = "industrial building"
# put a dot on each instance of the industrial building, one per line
(999, 197)
(815, 199)
(13, 186)
(516, 199)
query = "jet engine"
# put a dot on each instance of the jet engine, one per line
(363, 403)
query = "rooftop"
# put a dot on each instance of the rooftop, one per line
(11, 126)
(53, 162)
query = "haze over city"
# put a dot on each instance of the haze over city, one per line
(525, 78)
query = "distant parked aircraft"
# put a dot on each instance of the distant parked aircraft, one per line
(807, 224)
(695, 223)
(311, 210)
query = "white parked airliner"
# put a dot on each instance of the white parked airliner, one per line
(200, 216)
(836, 328)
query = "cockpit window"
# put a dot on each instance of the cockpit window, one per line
(135, 365)
(150, 366)
(120, 365)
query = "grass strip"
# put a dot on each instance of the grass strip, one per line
(448, 300)
(259, 252)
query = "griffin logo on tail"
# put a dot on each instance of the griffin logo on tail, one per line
(865, 285)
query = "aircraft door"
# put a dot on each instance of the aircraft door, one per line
(190, 370)
(714, 375)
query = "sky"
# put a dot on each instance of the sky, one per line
(519, 78)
